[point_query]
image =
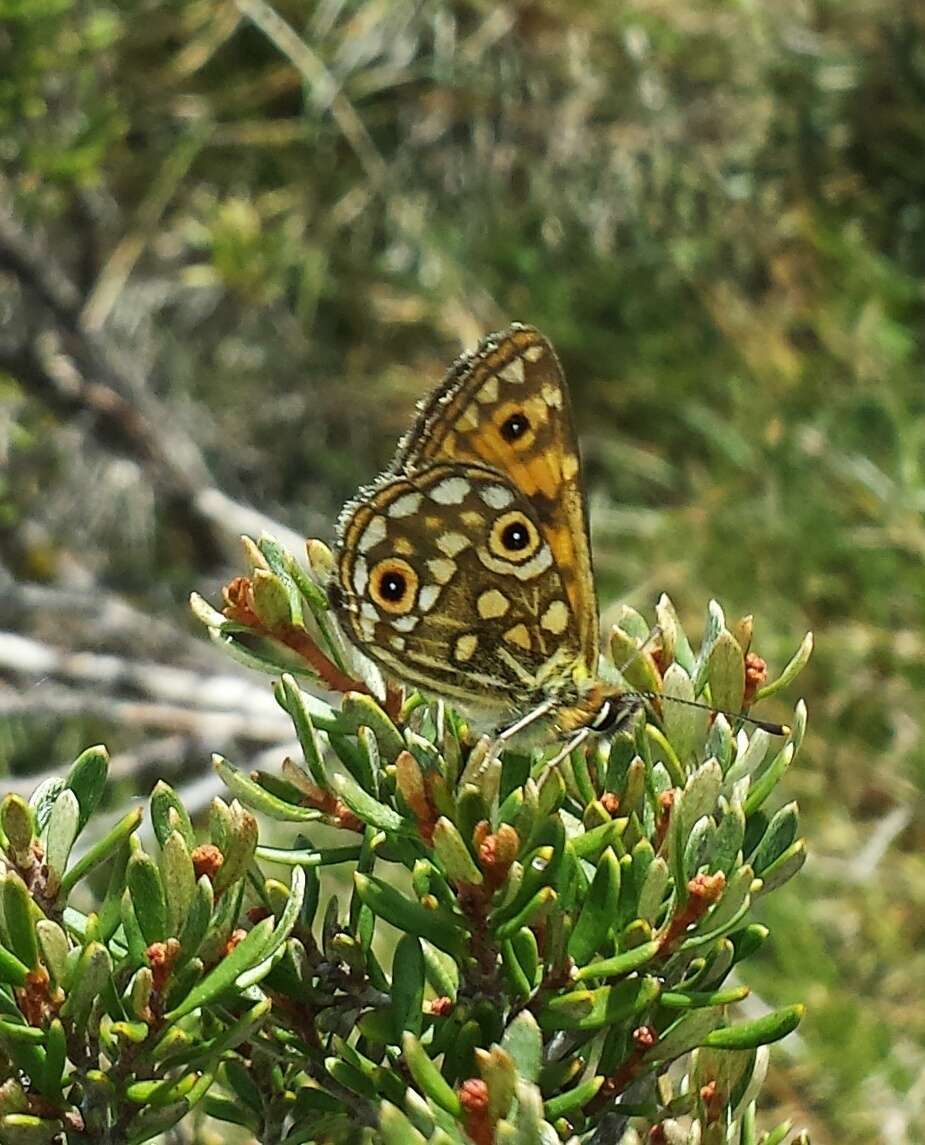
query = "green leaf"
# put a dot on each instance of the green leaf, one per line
(781, 832)
(198, 920)
(763, 786)
(727, 673)
(652, 892)
(437, 926)
(87, 779)
(91, 977)
(154, 1121)
(18, 826)
(758, 1032)
(358, 710)
(366, 806)
(590, 845)
(621, 964)
(536, 908)
(524, 1042)
(179, 880)
(793, 669)
(692, 1000)
(598, 911)
(454, 854)
(281, 931)
(238, 847)
(395, 1127)
(261, 800)
(55, 1061)
(428, 1078)
(730, 834)
(685, 726)
(43, 799)
(293, 701)
(168, 815)
(24, 1129)
(148, 899)
(350, 1077)
(595, 1009)
(17, 917)
(687, 1032)
(104, 849)
(12, 970)
(19, 1032)
(674, 640)
(322, 857)
(248, 953)
(60, 836)
(784, 867)
(575, 1098)
(407, 986)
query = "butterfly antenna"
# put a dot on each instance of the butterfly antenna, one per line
(765, 725)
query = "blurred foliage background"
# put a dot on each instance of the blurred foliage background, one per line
(237, 243)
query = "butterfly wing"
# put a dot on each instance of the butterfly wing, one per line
(446, 578)
(506, 406)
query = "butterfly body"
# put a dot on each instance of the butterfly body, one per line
(465, 569)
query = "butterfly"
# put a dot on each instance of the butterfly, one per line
(464, 570)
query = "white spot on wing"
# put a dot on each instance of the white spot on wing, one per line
(533, 353)
(496, 496)
(441, 569)
(372, 534)
(405, 505)
(397, 642)
(513, 371)
(518, 635)
(427, 597)
(405, 623)
(451, 491)
(488, 392)
(555, 618)
(527, 571)
(468, 419)
(552, 395)
(368, 611)
(452, 543)
(465, 646)
(492, 603)
(360, 575)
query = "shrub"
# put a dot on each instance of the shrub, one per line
(528, 953)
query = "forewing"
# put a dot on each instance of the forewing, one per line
(507, 406)
(484, 619)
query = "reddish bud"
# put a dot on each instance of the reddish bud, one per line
(756, 674)
(644, 1038)
(207, 859)
(236, 937)
(610, 801)
(707, 889)
(161, 958)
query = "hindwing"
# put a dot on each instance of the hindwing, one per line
(447, 577)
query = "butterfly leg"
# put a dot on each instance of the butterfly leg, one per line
(576, 741)
(531, 717)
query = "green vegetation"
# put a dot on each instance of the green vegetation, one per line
(569, 924)
(273, 244)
